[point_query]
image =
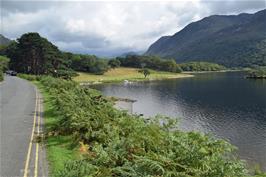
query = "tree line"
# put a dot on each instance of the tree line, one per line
(33, 54)
(170, 65)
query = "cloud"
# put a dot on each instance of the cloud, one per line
(234, 6)
(110, 28)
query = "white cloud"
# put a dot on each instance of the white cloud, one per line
(108, 28)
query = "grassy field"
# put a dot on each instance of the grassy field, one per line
(131, 74)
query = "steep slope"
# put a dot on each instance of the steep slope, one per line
(229, 40)
(4, 40)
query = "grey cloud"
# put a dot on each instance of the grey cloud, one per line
(10, 7)
(87, 40)
(51, 17)
(101, 52)
(236, 6)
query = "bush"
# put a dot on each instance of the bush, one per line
(65, 74)
(3, 66)
(29, 77)
(119, 144)
(114, 63)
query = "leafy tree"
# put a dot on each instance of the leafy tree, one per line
(100, 67)
(35, 55)
(168, 65)
(145, 72)
(114, 63)
(178, 69)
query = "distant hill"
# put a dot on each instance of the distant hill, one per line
(4, 40)
(131, 53)
(231, 40)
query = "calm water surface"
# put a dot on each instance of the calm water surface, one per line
(223, 104)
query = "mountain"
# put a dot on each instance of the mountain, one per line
(231, 40)
(4, 40)
(132, 53)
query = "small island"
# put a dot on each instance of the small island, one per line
(258, 73)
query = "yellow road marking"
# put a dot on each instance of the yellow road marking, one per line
(31, 139)
(37, 144)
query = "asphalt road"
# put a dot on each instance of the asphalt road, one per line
(20, 111)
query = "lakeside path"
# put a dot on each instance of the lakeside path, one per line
(21, 125)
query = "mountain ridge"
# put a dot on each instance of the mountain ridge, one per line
(225, 39)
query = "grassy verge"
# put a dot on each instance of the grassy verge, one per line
(131, 74)
(60, 149)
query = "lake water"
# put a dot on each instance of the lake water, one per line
(224, 104)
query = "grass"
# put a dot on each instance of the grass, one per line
(121, 74)
(59, 149)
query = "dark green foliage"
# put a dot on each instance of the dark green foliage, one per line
(4, 63)
(230, 40)
(178, 69)
(3, 66)
(88, 63)
(118, 144)
(114, 63)
(34, 54)
(100, 67)
(201, 66)
(151, 62)
(65, 74)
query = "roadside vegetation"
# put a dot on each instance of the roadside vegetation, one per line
(3, 66)
(86, 136)
(130, 74)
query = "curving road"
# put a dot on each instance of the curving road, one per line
(20, 112)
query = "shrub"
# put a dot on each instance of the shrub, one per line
(29, 77)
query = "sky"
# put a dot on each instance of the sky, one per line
(111, 28)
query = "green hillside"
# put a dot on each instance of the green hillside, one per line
(234, 40)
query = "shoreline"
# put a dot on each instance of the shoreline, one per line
(151, 78)
(186, 75)
(130, 79)
(221, 71)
